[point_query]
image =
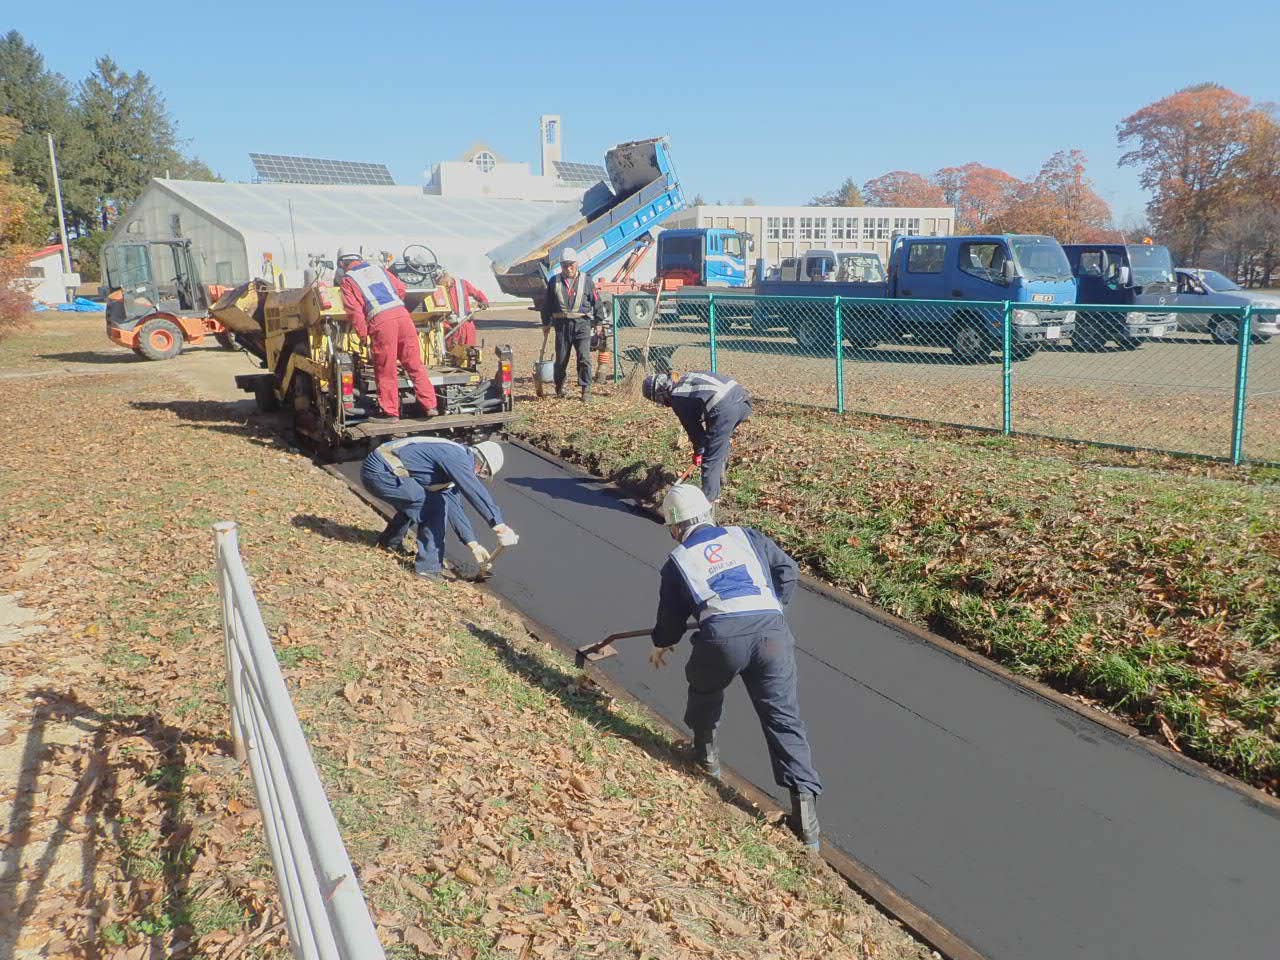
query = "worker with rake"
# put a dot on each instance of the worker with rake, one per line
(737, 583)
(709, 406)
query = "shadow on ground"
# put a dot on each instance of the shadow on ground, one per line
(334, 530)
(93, 356)
(237, 417)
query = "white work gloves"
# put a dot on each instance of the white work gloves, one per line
(659, 657)
(506, 536)
(480, 553)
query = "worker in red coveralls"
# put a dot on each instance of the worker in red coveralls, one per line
(461, 294)
(373, 298)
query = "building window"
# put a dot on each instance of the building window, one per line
(869, 228)
(773, 228)
(813, 228)
(782, 228)
(551, 132)
(485, 161)
(837, 228)
(882, 228)
(34, 273)
(906, 226)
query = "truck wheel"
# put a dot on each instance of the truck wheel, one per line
(1224, 329)
(640, 313)
(160, 339)
(812, 338)
(968, 344)
(226, 341)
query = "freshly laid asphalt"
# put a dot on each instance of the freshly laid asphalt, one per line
(1027, 829)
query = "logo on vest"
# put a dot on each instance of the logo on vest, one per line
(713, 553)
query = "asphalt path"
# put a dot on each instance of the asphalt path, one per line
(1025, 828)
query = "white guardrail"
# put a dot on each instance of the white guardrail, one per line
(324, 909)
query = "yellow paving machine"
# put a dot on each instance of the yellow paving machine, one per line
(321, 374)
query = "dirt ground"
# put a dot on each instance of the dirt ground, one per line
(494, 803)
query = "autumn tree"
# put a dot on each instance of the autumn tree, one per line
(901, 188)
(1188, 148)
(23, 226)
(979, 193)
(1060, 202)
(845, 195)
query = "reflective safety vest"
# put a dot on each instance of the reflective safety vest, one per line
(707, 387)
(573, 310)
(376, 289)
(388, 453)
(725, 575)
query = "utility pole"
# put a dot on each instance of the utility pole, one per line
(62, 221)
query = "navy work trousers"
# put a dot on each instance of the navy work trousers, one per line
(573, 335)
(722, 420)
(414, 503)
(761, 650)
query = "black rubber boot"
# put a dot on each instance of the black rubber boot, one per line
(707, 754)
(804, 818)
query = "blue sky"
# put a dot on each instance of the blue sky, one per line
(773, 101)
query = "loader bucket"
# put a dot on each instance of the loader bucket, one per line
(240, 309)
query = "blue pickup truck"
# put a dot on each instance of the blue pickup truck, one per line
(1122, 274)
(958, 282)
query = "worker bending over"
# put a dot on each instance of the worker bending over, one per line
(737, 582)
(426, 480)
(462, 329)
(709, 407)
(572, 306)
(374, 301)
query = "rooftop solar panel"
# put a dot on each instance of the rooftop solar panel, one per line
(579, 172)
(276, 168)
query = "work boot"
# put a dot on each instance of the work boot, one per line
(384, 417)
(560, 392)
(804, 818)
(434, 575)
(429, 412)
(384, 543)
(707, 754)
(586, 394)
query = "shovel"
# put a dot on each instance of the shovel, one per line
(603, 649)
(486, 569)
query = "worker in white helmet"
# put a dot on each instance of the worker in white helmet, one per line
(737, 583)
(426, 479)
(572, 307)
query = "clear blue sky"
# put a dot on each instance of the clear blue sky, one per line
(775, 101)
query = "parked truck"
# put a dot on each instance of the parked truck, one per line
(949, 291)
(1122, 274)
(321, 374)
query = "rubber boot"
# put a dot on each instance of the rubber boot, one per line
(804, 818)
(707, 754)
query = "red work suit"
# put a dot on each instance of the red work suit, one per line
(461, 293)
(393, 338)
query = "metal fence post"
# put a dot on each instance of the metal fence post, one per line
(711, 327)
(225, 540)
(1242, 381)
(1006, 370)
(839, 350)
(613, 304)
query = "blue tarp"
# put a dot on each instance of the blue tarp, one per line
(82, 305)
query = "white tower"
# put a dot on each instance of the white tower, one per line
(550, 134)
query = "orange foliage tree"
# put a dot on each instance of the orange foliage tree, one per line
(1188, 148)
(979, 193)
(22, 226)
(1060, 202)
(901, 188)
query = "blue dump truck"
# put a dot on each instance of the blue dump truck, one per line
(1122, 274)
(947, 292)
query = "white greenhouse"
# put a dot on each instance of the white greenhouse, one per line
(242, 230)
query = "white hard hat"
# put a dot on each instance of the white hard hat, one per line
(568, 255)
(348, 253)
(489, 454)
(685, 502)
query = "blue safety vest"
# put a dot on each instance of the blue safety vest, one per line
(375, 288)
(707, 387)
(724, 574)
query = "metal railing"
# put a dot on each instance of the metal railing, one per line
(325, 912)
(1199, 380)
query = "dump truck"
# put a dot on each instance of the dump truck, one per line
(614, 221)
(321, 374)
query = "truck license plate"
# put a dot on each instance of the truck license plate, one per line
(1156, 332)
(1052, 333)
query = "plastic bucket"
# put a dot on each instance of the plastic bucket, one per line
(544, 371)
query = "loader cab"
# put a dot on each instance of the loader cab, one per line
(156, 276)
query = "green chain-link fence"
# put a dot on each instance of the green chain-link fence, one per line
(1171, 378)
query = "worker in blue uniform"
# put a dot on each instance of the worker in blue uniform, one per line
(427, 479)
(709, 406)
(737, 583)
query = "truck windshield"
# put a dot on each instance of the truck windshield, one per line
(128, 266)
(682, 251)
(1040, 258)
(1149, 264)
(1217, 282)
(855, 268)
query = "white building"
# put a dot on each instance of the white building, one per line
(45, 280)
(781, 232)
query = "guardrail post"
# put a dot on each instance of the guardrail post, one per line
(1242, 381)
(839, 350)
(1006, 370)
(225, 542)
(613, 305)
(711, 327)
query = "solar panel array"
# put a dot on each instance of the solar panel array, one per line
(579, 172)
(274, 168)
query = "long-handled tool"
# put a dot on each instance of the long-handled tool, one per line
(633, 386)
(486, 568)
(603, 649)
